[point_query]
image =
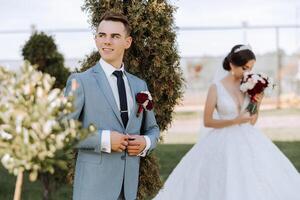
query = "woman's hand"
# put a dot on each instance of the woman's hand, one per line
(244, 117)
(258, 98)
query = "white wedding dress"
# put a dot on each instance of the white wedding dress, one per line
(232, 163)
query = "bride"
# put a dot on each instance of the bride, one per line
(234, 161)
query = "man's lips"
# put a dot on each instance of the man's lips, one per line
(107, 49)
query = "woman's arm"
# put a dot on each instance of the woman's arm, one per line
(210, 105)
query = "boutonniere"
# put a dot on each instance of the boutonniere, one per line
(144, 99)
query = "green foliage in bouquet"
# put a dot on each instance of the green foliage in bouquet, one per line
(35, 134)
(41, 50)
(153, 57)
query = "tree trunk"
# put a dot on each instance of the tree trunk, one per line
(18, 188)
(46, 186)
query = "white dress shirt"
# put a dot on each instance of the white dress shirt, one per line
(112, 79)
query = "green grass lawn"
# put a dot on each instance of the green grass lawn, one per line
(169, 155)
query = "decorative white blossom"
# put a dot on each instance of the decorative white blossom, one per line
(5, 135)
(33, 129)
(26, 89)
(7, 160)
(47, 127)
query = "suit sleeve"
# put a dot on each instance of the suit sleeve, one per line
(150, 127)
(92, 142)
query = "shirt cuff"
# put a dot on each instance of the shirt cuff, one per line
(105, 141)
(148, 145)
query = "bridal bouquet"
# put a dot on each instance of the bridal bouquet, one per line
(35, 136)
(254, 84)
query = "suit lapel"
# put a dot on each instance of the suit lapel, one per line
(133, 92)
(106, 89)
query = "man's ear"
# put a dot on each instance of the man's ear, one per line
(128, 42)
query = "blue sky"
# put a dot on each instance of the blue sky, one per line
(55, 14)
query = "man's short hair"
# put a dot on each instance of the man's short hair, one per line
(116, 17)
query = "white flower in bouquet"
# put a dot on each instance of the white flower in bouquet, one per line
(244, 87)
(270, 88)
(254, 84)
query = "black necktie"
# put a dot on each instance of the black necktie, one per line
(122, 96)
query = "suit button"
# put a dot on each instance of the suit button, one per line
(123, 157)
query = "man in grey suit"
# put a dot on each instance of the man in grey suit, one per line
(107, 166)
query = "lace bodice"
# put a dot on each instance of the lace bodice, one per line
(226, 106)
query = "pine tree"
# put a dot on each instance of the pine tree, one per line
(41, 50)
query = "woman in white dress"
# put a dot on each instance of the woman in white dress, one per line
(235, 160)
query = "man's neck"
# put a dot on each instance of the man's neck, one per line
(115, 64)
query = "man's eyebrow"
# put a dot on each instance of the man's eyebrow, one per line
(113, 34)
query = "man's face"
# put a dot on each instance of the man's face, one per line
(112, 40)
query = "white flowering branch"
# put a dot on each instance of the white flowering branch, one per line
(34, 135)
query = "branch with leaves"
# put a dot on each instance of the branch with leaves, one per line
(35, 135)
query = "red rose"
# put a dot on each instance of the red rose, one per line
(144, 100)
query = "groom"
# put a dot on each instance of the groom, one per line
(107, 166)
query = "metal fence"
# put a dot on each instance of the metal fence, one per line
(283, 66)
(203, 49)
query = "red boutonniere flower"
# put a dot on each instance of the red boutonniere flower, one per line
(144, 99)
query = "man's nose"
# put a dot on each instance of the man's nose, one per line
(107, 40)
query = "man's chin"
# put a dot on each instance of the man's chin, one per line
(107, 58)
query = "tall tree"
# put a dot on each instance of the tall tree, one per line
(41, 50)
(153, 57)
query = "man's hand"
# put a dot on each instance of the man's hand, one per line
(74, 85)
(119, 141)
(136, 144)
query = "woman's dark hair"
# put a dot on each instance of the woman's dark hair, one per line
(238, 57)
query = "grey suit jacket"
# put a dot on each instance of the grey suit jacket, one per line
(100, 175)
